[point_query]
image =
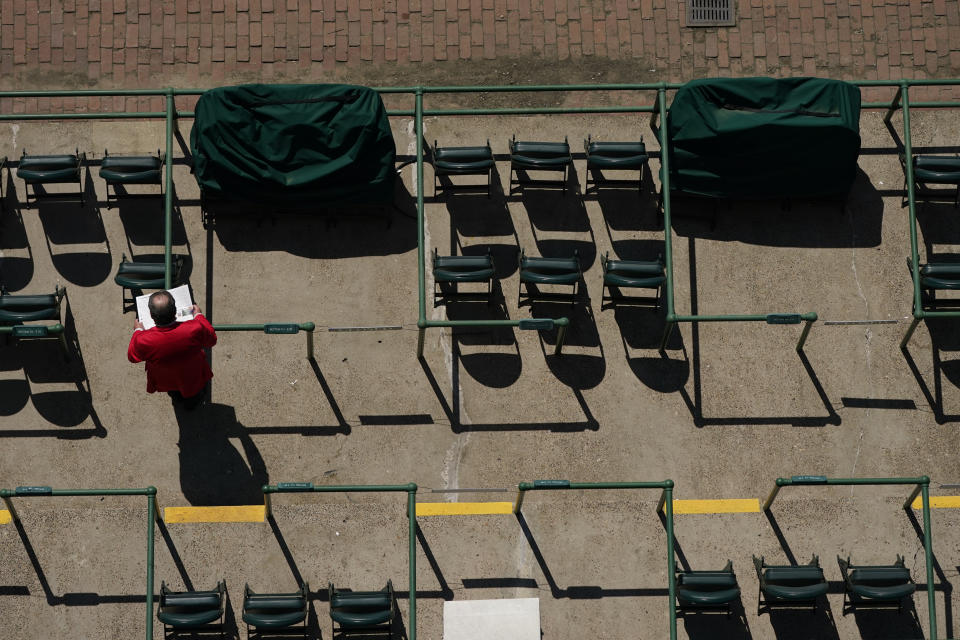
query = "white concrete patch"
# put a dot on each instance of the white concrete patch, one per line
(515, 619)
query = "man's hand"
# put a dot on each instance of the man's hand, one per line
(195, 310)
(137, 325)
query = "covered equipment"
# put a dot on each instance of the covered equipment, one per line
(309, 144)
(764, 137)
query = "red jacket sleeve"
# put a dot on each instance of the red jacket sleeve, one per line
(132, 355)
(208, 337)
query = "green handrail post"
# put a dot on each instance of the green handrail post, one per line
(412, 540)
(522, 489)
(561, 324)
(810, 318)
(912, 210)
(421, 270)
(773, 494)
(168, 195)
(663, 138)
(667, 499)
(913, 496)
(928, 556)
(309, 327)
(152, 515)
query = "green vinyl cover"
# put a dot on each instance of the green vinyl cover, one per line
(294, 143)
(764, 137)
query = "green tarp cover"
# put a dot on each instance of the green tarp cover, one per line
(289, 143)
(764, 137)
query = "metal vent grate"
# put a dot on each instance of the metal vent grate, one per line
(711, 13)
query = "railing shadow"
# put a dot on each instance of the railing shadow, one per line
(579, 592)
(695, 404)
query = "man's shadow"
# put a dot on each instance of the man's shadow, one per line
(213, 471)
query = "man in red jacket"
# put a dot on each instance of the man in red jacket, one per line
(173, 351)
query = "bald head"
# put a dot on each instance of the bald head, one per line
(163, 309)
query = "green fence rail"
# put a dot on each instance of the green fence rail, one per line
(664, 505)
(275, 328)
(921, 486)
(153, 515)
(658, 111)
(410, 489)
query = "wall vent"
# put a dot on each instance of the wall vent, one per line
(711, 13)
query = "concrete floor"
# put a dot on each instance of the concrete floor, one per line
(726, 410)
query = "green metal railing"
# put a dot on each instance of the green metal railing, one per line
(921, 487)
(275, 328)
(153, 515)
(664, 505)
(902, 101)
(410, 489)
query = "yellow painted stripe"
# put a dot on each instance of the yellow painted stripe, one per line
(938, 502)
(243, 513)
(463, 508)
(736, 505)
(4, 516)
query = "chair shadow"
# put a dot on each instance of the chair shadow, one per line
(886, 624)
(67, 223)
(43, 363)
(212, 471)
(495, 369)
(624, 209)
(451, 409)
(16, 272)
(944, 337)
(716, 625)
(579, 371)
(804, 624)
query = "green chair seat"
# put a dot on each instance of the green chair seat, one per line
(26, 308)
(540, 277)
(188, 619)
(616, 155)
(190, 609)
(549, 270)
(50, 169)
(53, 169)
(361, 609)
(540, 155)
(462, 160)
(889, 593)
(790, 585)
(47, 176)
(634, 274)
(130, 177)
(942, 275)
(360, 619)
(937, 169)
(707, 589)
(449, 275)
(876, 585)
(140, 275)
(696, 597)
(796, 592)
(275, 610)
(274, 619)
